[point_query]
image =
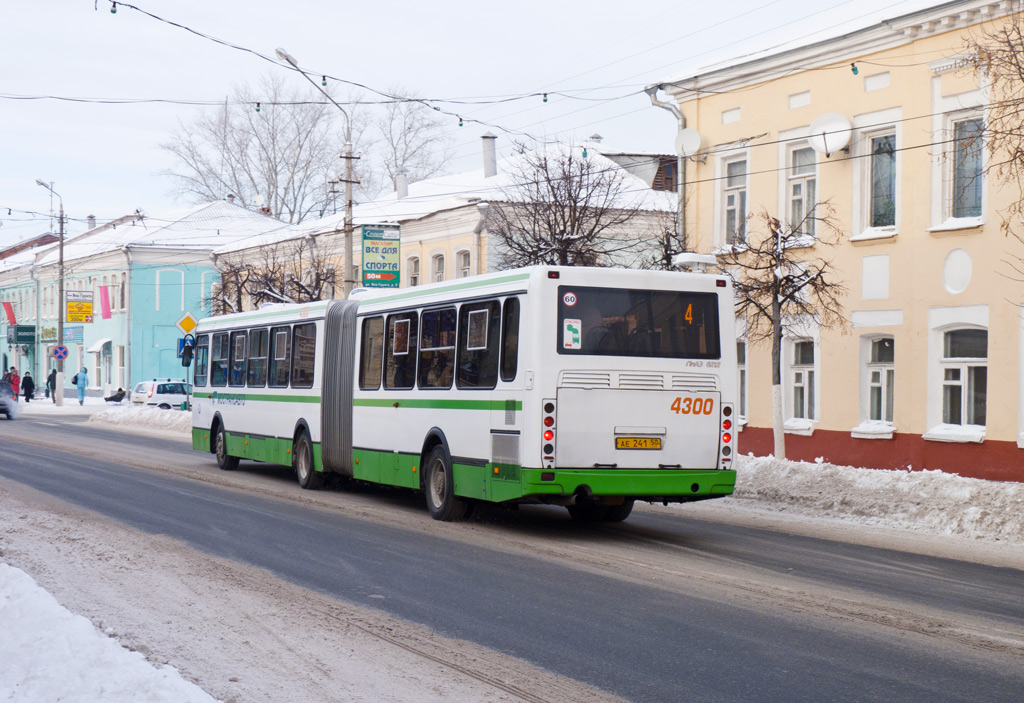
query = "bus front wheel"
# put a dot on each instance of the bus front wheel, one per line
(302, 460)
(439, 485)
(225, 461)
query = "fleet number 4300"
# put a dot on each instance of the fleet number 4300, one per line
(693, 406)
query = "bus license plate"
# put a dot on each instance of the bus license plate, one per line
(638, 442)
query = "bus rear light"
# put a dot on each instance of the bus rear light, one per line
(549, 421)
(726, 438)
(548, 435)
(727, 425)
(727, 411)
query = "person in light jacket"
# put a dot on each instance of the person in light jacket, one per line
(83, 381)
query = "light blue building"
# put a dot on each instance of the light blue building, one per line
(141, 274)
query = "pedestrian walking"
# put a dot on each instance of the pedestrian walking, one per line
(51, 385)
(15, 381)
(29, 386)
(82, 380)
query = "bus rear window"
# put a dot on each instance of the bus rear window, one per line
(644, 323)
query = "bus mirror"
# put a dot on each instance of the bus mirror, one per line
(186, 356)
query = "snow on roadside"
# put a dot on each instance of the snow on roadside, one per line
(155, 418)
(50, 654)
(925, 501)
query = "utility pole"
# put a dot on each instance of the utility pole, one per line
(59, 388)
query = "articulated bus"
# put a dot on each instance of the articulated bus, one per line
(579, 387)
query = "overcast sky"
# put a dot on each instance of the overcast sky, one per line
(105, 159)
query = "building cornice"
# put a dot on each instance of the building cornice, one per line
(888, 34)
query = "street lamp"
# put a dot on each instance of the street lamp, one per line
(59, 397)
(347, 280)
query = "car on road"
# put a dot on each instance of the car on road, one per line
(7, 400)
(165, 394)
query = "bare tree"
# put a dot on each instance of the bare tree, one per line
(782, 280)
(411, 137)
(1000, 58)
(567, 209)
(269, 146)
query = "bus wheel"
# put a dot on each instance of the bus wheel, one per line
(588, 511)
(439, 483)
(224, 460)
(302, 460)
(618, 513)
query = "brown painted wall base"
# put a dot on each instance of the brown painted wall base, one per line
(995, 461)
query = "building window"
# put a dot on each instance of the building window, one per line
(964, 376)
(967, 166)
(802, 189)
(414, 271)
(883, 181)
(734, 198)
(881, 379)
(437, 268)
(802, 373)
(741, 364)
(464, 260)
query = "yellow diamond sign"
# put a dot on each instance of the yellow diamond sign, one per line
(187, 323)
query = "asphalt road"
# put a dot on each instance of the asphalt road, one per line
(660, 608)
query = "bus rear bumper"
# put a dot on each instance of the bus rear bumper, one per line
(670, 485)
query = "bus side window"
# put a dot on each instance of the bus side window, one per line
(280, 356)
(201, 355)
(303, 355)
(257, 373)
(510, 340)
(479, 325)
(400, 351)
(437, 348)
(219, 360)
(371, 353)
(237, 375)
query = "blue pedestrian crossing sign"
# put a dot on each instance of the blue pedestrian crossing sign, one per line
(60, 352)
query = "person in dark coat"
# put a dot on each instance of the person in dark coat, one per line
(28, 386)
(51, 384)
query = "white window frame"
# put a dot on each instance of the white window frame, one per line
(802, 378)
(867, 128)
(729, 155)
(807, 182)
(463, 263)
(940, 321)
(742, 383)
(413, 266)
(437, 268)
(800, 330)
(947, 110)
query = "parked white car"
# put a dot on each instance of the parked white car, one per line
(162, 394)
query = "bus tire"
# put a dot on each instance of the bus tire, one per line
(302, 461)
(587, 511)
(225, 461)
(439, 485)
(618, 513)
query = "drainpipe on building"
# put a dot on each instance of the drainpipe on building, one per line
(480, 225)
(127, 323)
(35, 356)
(652, 93)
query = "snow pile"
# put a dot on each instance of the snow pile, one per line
(155, 418)
(929, 501)
(50, 654)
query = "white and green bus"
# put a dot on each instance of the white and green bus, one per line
(580, 387)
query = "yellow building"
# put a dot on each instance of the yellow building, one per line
(929, 374)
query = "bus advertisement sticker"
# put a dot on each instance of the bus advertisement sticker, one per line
(572, 333)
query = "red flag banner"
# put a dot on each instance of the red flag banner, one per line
(9, 309)
(105, 302)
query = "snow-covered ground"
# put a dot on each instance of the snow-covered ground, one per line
(50, 654)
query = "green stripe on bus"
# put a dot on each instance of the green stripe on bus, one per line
(438, 403)
(261, 396)
(418, 292)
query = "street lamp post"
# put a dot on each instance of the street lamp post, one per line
(58, 389)
(347, 280)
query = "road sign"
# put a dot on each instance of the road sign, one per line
(185, 342)
(187, 323)
(60, 352)
(382, 261)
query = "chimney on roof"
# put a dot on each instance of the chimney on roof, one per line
(91, 221)
(402, 183)
(596, 138)
(490, 155)
(231, 198)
